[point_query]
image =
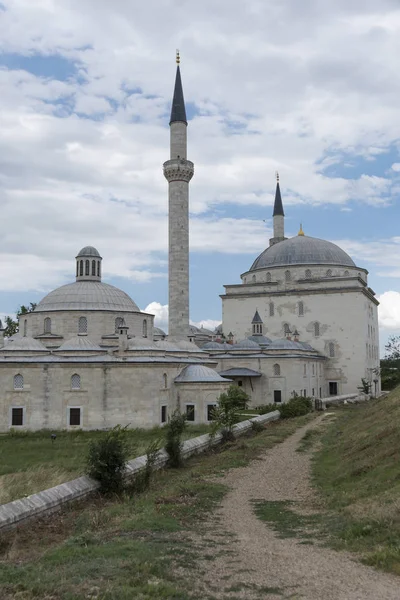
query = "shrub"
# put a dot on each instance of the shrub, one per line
(225, 415)
(296, 407)
(173, 433)
(142, 480)
(257, 427)
(235, 398)
(106, 460)
(266, 408)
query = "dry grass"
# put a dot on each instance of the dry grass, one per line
(25, 483)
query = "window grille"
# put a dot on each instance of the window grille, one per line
(286, 329)
(268, 277)
(346, 273)
(288, 276)
(165, 379)
(145, 328)
(18, 382)
(75, 382)
(98, 268)
(271, 309)
(331, 349)
(93, 268)
(329, 273)
(119, 321)
(25, 327)
(277, 370)
(308, 274)
(301, 309)
(47, 325)
(316, 329)
(87, 267)
(82, 325)
(81, 268)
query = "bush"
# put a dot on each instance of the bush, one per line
(296, 407)
(106, 460)
(225, 415)
(142, 480)
(173, 433)
(257, 427)
(266, 408)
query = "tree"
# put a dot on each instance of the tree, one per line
(225, 415)
(12, 324)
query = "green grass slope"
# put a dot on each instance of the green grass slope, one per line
(357, 471)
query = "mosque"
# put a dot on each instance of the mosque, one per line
(302, 321)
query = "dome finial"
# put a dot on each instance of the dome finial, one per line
(301, 232)
(277, 176)
(178, 58)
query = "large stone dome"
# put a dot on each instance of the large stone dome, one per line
(302, 250)
(87, 295)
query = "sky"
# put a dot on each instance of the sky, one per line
(309, 89)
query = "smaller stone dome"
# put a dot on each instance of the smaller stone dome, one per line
(89, 251)
(199, 374)
(246, 344)
(261, 340)
(20, 343)
(79, 343)
(167, 346)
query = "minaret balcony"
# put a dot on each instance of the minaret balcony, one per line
(178, 169)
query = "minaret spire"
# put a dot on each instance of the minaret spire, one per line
(278, 215)
(178, 171)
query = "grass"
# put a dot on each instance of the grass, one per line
(286, 522)
(135, 547)
(357, 473)
(31, 462)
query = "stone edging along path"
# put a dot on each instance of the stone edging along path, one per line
(16, 512)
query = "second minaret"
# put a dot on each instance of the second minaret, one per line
(178, 171)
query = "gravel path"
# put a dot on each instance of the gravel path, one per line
(247, 560)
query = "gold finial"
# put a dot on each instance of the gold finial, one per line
(178, 58)
(277, 176)
(301, 232)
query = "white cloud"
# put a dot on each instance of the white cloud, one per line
(210, 324)
(160, 311)
(389, 310)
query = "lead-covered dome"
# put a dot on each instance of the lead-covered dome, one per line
(89, 251)
(302, 250)
(87, 295)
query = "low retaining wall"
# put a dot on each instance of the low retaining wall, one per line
(350, 398)
(43, 503)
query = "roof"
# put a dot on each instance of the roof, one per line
(240, 372)
(302, 250)
(199, 374)
(141, 343)
(158, 331)
(87, 295)
(257, 318)
(178, 112)
(278, 206)
(89, 251)
(245, 344)
(78, 344)
(285, 344)
(23, 343)
(261, 340)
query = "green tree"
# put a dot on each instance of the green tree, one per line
(226, 414)
(12, 324)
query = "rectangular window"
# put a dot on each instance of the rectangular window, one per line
(74, 416)
(320, 392)
(240, 383)
(163, 414)
(210, 411)
(277, 396)
(17, 417)
(190, 412)
(333, 391)
(313, 392)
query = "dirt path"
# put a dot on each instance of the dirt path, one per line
(246, 559)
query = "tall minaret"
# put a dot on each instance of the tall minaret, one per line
(279, 216)
(178, 171)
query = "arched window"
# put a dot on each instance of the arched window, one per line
(93, 268)
(87, 267)
(253, 279)
(18, 382)
(308, 274)
(305, 368)
(316, 329)
(119, 321)
(81, 268)
(277, 370)
(145, 328)
(301, 308)
(165, 379)
(75, 382)
(82, 325)
(286, 329)
(98, 268)
(331, 349)
(268, 277)
(25, 327)
(329, 273)
(313, 369)
(271, 309)
(77, 268)
(346, 273)
(47, 325)
(287, 276)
